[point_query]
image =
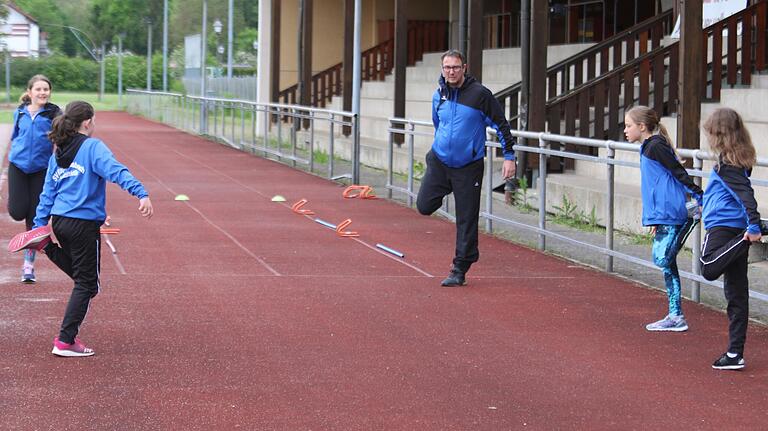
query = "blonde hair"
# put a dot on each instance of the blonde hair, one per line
(729, 139)
(644, 115)
(25, 98)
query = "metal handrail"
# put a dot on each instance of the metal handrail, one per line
(182, 111)
(544, 140)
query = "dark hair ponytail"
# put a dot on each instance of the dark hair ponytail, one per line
(66, 126)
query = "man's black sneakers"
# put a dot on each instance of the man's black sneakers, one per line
(725, 362)
(454, 279)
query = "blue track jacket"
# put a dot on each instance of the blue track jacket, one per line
(30, 147)
(663, 184)
(460, 116)
(729, 199)
(75, 185)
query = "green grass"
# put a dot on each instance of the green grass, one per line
(61, 98)
(108, 102)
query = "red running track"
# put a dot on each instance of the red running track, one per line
(229, 311)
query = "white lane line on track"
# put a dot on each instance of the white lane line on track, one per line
(383, 253)
(285, 204)
(207, 220)
(193, 275)
(112, 248)
(396, 259)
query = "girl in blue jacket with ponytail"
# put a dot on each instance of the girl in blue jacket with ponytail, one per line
(664, 184)
(732, 223)
(74, 195)
(30, 151)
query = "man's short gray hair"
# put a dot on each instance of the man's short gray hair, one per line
(453, 53)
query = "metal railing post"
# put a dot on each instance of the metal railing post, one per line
(294, 135)
(609, 207)
(279, 129)
(698, 164)
(390, 160)
(203, 115)
(311, 141)
(356, 149)
(330, 148)
(231, 107)
(215, 119)
(242, 124)
(195, 126)
(489, 187)
(254, 113)
(267, 125)
(184, 112)
(411, 129)
(542, 192)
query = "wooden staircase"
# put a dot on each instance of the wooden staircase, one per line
(377, 62)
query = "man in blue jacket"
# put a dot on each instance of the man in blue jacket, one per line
(462, 108)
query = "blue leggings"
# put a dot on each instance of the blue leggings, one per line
(667, 242)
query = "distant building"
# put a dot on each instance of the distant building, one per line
(21, 34)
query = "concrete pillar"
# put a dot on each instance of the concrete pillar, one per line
(264, 71)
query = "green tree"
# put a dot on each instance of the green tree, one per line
(186, 18)
(3, 11)
(52, 20)
(110, 17)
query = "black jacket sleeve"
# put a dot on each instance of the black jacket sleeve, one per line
(493, 110)
(738, 180)
(659, 150)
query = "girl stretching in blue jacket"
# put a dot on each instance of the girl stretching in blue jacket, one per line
(664, 183)
(732, 223)
(30, 151)
(74, 194)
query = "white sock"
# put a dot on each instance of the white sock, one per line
(732, 355)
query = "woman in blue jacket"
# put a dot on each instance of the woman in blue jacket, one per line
(30, 151)
(664, 184)
(74, 194)
(732, 223)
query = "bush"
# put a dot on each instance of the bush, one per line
(65, 73)
(81, 74)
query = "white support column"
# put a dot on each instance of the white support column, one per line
(263, 73)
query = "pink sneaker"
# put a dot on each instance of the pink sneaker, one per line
(75, 349)
(35, 239)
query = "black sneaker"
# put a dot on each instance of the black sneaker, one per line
(725, 362)
(454, 279)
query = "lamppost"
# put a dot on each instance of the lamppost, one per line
(165, 45)
(103, 65)
(120, 37)
(148, 21)
(217, 27)
(230, 28)
(7, 57)
(203, 45)
(99, 52)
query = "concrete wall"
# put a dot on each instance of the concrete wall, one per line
(327, 35)
(328, 30)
